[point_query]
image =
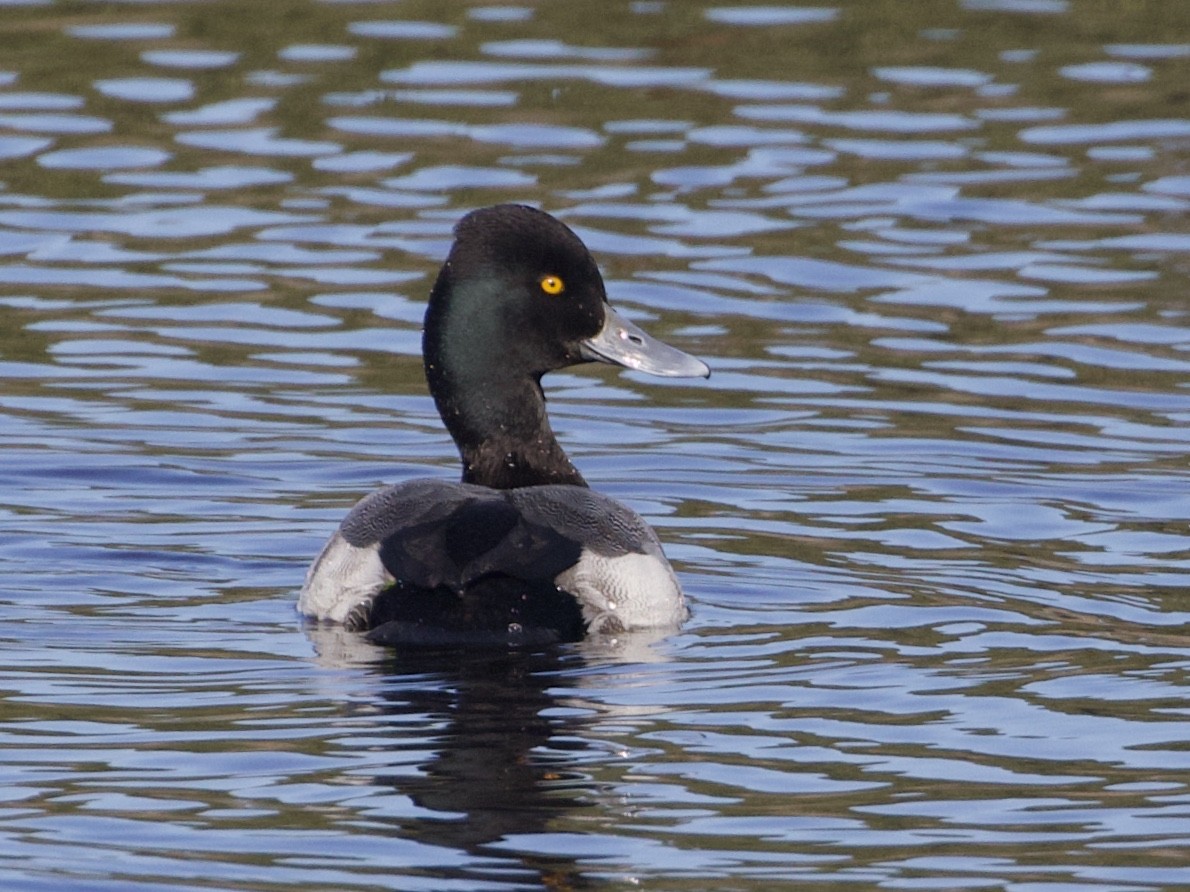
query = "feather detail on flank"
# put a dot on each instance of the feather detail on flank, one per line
(342, 582)
(625, 592)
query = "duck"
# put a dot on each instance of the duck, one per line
(520, 551)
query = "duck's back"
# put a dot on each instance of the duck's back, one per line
(432, 561)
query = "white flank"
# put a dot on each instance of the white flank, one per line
(341, 579)
(631, 591)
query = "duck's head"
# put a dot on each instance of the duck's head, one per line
(518, 296)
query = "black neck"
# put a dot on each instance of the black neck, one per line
(503, 433)
(494, 411)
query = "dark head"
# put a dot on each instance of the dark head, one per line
(518, 296)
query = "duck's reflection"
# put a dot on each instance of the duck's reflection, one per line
(503, 756)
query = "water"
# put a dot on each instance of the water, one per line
(931, 508)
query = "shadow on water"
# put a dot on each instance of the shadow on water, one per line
(501, 752)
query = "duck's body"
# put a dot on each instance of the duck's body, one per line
(521, 551)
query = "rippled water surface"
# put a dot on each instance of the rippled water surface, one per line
(931, 509)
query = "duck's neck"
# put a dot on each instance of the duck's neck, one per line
(496, 417)
(517, 451)
(503, 434)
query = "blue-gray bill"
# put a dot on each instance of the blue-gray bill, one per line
(620, 342)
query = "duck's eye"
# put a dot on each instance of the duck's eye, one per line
(552, 285)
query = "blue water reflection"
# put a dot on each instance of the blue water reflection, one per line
(931, 509)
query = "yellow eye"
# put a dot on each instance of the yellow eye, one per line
(552, 285)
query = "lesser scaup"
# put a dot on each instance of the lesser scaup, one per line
(521, 551)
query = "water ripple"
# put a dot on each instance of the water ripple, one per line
(929, 510)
